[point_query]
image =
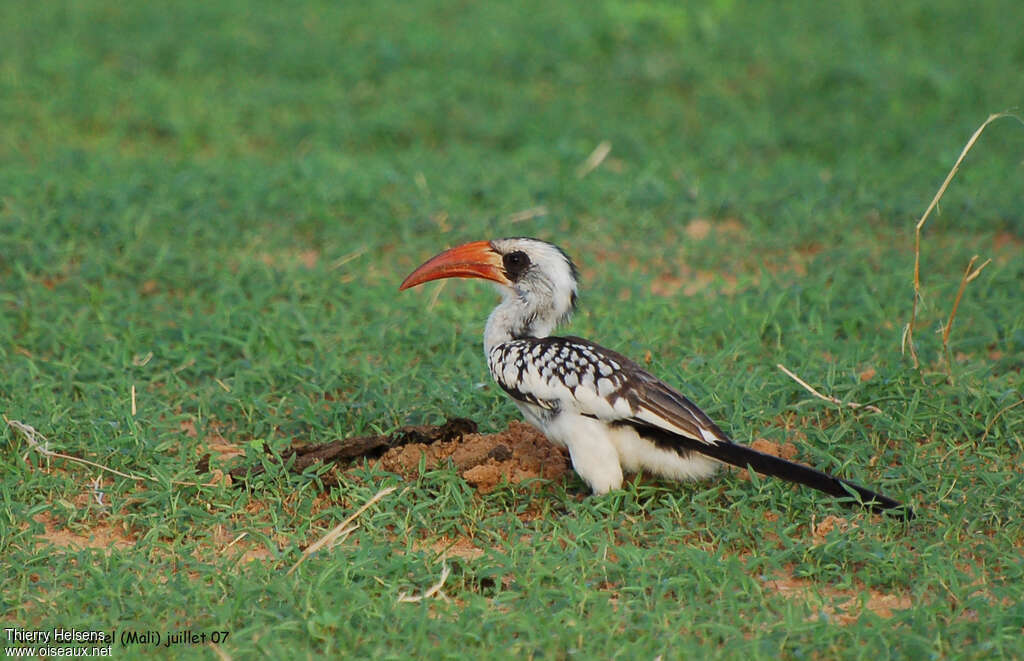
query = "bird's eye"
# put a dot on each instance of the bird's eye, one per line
(515, 264)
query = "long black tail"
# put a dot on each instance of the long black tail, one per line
(766, 464)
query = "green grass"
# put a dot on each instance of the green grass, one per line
(215, 202)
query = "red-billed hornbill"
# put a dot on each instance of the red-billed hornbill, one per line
(610, 413)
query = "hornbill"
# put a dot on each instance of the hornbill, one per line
(610, 413)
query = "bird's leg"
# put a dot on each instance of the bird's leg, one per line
(593, 454)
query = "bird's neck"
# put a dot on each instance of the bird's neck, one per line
(517, 317)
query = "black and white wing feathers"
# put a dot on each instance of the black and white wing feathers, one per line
(558, 373)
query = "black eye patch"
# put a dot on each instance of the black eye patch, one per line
(515, 263)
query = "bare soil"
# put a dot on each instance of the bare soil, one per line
(517, 454)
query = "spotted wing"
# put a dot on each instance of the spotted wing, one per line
(559, 373)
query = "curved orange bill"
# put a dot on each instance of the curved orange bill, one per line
(471, 260)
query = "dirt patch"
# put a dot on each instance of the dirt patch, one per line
(215, 438)
(819, 531)
(108, 538)
(515, 455)
(100, 536)
(692, 282)
(840, 606)
(242, 547)
(447, 547)
(1004, 241)
(786, 451)
(290, 259)
(698, 229)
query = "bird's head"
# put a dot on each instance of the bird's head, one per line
(535, 276)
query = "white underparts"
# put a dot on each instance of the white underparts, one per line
(601, 453)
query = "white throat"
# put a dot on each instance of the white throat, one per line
(522, 314)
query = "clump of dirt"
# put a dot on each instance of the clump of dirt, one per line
(819, 531)
(100, 536)
(839, 606)
(516, 454)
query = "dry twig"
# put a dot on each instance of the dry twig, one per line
(827, 398)
(340, 531)
(235, 541)
(968, 276)
(34, 437)
(433, 591)
(908, 330)
(527, 214)
(345, 259)
(1003, 410)
(221, 654)
(595, 159)
(436, 295)
(298, 459)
